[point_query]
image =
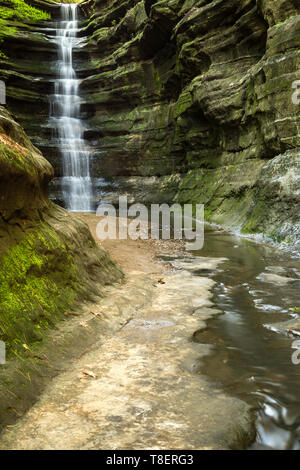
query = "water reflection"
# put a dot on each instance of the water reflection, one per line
(256, 287)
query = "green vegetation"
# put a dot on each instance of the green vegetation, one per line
(67, 1)
(19, 10)
(278, 25)
(38, 281)
(295, 309)
(276, 236)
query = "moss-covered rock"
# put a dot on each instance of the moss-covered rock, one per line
(48, 258)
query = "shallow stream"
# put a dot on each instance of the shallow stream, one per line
(256, 288)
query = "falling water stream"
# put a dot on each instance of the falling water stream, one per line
(65, 116)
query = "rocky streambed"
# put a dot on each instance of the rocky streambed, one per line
(193, 351)
(137, 386)
(255, 349)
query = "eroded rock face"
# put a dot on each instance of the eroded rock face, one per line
(29, 72)
(194, 95)
(200, 89)
(48, 258)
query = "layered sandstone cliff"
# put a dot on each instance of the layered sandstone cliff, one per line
(198, 94)
(187, 101)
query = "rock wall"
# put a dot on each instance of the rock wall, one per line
(183, 100)
(197, 95)
(28, 70)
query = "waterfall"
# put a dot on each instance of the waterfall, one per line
(65, 116)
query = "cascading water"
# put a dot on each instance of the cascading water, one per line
(65, 116)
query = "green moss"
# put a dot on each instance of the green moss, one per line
(13, 158)
(279, 25)
(38, 282)
(252, 226)
(11, 10)
(276, 236)
(208, 213)
(19, 9)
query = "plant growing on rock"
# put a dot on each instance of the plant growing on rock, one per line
(17, 10)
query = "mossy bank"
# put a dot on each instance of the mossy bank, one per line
(48, 263)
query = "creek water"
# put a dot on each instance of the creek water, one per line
(250, 359)
(65, 116)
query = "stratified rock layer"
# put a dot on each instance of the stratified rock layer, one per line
(201, 90)
(183, 100)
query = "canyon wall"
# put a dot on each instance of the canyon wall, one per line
(192, 101)
(187, 101)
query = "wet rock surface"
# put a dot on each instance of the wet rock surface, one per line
(138, 387)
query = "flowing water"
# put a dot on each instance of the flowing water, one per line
(65, 116)
(251, 359)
